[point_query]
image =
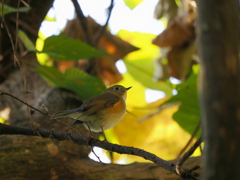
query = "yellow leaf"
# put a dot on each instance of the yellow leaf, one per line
(133, 99)
(158, 134)
(143, 41)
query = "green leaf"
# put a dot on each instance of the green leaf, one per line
(63, 48)
(26, 41)
(8, 9)
(132, 3)
(140, 63)
(142, 70)
(74, 79)
(188, 114)
(51, 75)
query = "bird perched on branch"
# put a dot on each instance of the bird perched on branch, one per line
(100, 112)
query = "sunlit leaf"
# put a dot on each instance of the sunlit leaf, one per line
(142, 41)
(7, 9)
(26, 41)
(140, 63)
(144, 69)
(42, 58)
(47, 18)
(188, 114)
(65, 48)
(73, 79)
(132, 3)
(134, 99)
(2, 120)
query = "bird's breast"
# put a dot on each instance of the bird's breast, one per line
(110, 116)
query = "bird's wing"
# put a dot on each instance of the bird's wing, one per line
(104, 101)
(91, 106)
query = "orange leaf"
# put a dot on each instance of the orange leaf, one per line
(177, 33)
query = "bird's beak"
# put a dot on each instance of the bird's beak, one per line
(128, 88)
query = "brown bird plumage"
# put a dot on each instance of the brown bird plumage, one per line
(100, 112)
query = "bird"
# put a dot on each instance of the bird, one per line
(100, 112)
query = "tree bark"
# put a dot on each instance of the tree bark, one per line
(218, 26)
(48, 159)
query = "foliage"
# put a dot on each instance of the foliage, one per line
(26, 41)
(140, 63)
(188, 114)
(7, 9)
(62, 48)
(2, 120)
(73, 79)
(132, 3)
(65, 48)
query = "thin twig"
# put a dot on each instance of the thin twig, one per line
(44, 113)
(25, 4)
(101, 30)
(96, 155)
(160, 108)
(25, 25)
(179, 164)
(16, 60)
(190, 140)
(14, 97)
(17, 17)
(4, 24)
(83, 22)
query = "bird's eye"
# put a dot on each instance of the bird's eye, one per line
(116, 88)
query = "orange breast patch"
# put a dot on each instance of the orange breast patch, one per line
(117, 108)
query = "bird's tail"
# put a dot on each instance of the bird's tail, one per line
(72, 113)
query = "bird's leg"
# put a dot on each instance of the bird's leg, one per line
(91, 134)
(90, 130)
(105, 139)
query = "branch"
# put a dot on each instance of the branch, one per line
(83, 22)
(186, 156)
(191, 139)
(101, 30)
(82, 140)
(14, 97)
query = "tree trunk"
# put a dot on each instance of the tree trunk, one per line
(218, 26)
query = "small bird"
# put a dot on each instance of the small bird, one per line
(100, 112)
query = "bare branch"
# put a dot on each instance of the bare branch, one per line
(101, 30)
(14, 97)
(190, 140)
(186, 156)
(83, 22)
